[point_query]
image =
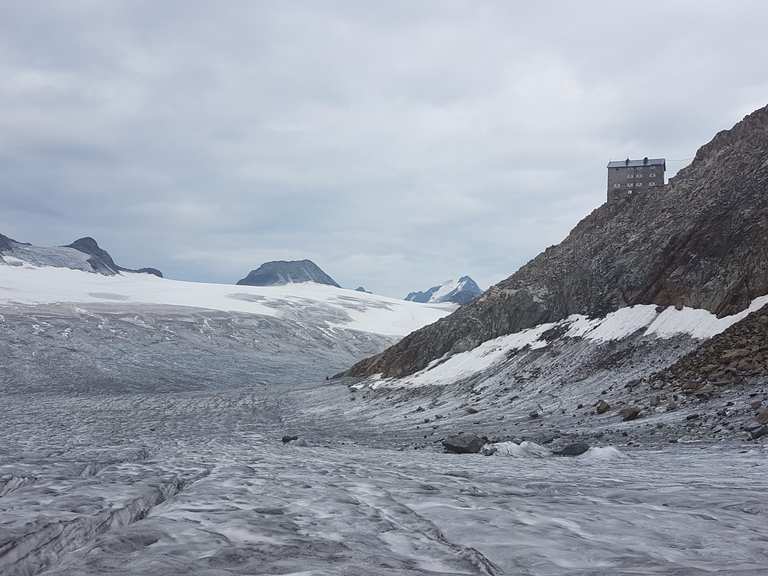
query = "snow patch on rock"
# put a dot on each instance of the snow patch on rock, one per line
(644, 320)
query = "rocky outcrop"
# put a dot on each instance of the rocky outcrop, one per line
(700, 241)
(287, 272)
(732, 357)
(464, 443)
(457, 291)
(101, 260)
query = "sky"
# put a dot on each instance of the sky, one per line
(396, 144)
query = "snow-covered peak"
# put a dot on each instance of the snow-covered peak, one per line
(457, 291)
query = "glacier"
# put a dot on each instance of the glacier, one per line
(142, 423)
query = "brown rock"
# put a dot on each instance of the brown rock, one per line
(602, 407)
(762, 416)
(629, 413)
(735, 354)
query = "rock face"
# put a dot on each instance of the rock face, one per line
(700, 241)
(287, 272)
(362, 289)
(83, 254)
(458, 291)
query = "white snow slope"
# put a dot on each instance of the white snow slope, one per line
(447, 288)
(646, 320)
(23, 283)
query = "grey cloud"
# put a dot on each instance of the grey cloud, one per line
(397, 144)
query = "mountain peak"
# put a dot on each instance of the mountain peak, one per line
(279, 272)
(458, 291)
(101, 258)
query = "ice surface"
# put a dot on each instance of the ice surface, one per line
(199, 483)
(141, 423)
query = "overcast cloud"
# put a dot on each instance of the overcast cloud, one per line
(396, 144)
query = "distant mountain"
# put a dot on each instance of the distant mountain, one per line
(362, 289)
(88, 245)
(459, 291)
(83, 254)
(287, 272)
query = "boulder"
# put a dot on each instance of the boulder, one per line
(602, 407)
(289, 438)
(463, 443)
(575, 449)
(629, 413)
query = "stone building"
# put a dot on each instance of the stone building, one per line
(626, 177)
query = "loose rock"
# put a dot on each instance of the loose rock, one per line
(629, 413)
(575, 449)
(463, 443)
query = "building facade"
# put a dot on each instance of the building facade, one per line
(626, 177)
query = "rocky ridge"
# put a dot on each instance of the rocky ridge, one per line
(699, 242)
(101, 258)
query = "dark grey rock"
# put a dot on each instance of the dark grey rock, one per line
(286, 272)
(289, 438)
(575, 449)
(463, 443)
(602, 407)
